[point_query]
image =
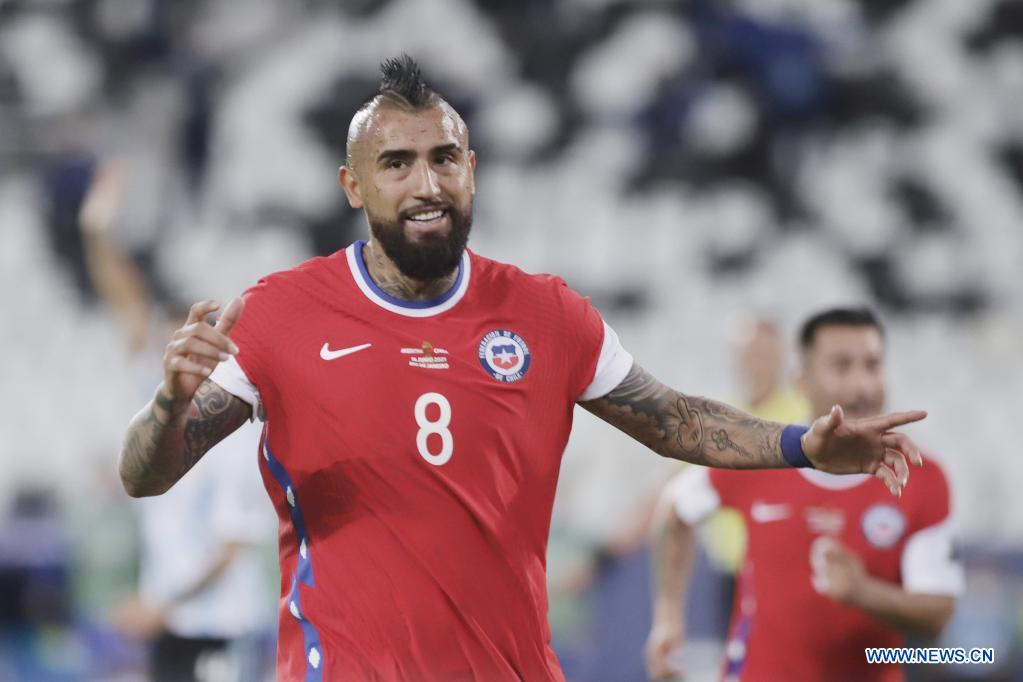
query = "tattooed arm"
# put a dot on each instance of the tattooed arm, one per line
(688, 428)
(188, 415)
(163, 442)
(706, 432)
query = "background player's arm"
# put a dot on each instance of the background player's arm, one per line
(674, 546)
(188, 415)
(925, 614)
(141, 618)
(116, 277)
(703, 431)
(840, 575)
(225, 555)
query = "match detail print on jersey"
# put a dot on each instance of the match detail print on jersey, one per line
(504, 355)
(427, 356)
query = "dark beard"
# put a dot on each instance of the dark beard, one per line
(432, 256)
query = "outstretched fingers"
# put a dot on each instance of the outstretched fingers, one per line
(893, 471)
(904, 444)
(887, 422)
(896, 461)
(889, 478)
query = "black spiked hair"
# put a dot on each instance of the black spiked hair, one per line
(403, 79)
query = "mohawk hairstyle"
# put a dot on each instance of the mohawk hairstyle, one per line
(403, 80)
(401, 87)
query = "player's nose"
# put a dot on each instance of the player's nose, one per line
(426, 182)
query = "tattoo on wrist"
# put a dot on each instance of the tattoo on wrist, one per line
(165, 404)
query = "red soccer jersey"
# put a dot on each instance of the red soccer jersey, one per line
(412, 453)
(781, 627)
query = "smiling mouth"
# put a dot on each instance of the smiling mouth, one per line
(426, 215)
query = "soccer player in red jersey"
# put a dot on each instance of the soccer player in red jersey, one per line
(417, 399)
(833, 564)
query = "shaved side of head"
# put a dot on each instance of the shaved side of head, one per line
(402, 88)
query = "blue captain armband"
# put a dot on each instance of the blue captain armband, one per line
(792, 448)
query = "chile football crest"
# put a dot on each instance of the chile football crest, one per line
(504, 355)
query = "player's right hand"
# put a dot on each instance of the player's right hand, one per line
(850, 446)
(662, 647)
(195, 350)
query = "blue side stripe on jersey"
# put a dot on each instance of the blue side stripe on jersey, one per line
(364, 272)
(305, 564)
(735, 648)
(310, 638)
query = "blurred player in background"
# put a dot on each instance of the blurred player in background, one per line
(760, 356)
(768, 394)
(834, 563)
(202, 579)
(418, 398)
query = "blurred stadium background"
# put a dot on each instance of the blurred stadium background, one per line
(686, 164)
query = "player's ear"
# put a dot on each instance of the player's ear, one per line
(472, 171)
(349, 182)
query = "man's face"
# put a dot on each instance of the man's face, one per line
(413, 175)
(761, 355)
(845, 366)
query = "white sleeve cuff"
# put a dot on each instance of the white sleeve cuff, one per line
(230, 376)
(929, 565)
(613, 365)
(692, 495)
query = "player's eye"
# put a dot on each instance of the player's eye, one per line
(842, 365)
(396, 163)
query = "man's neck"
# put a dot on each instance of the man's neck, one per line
(390, 279)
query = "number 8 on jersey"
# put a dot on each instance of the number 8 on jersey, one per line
(438, 427)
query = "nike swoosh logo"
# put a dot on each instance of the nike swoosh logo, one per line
(761, 512)
(327, 354)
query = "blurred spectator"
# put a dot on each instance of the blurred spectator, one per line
(201, 575)
(201, 598)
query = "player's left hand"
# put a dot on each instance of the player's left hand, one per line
(837, 572)
(841, 446)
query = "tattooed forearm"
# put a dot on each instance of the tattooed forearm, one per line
(689, 428)
(213, 414)
(162, 445)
